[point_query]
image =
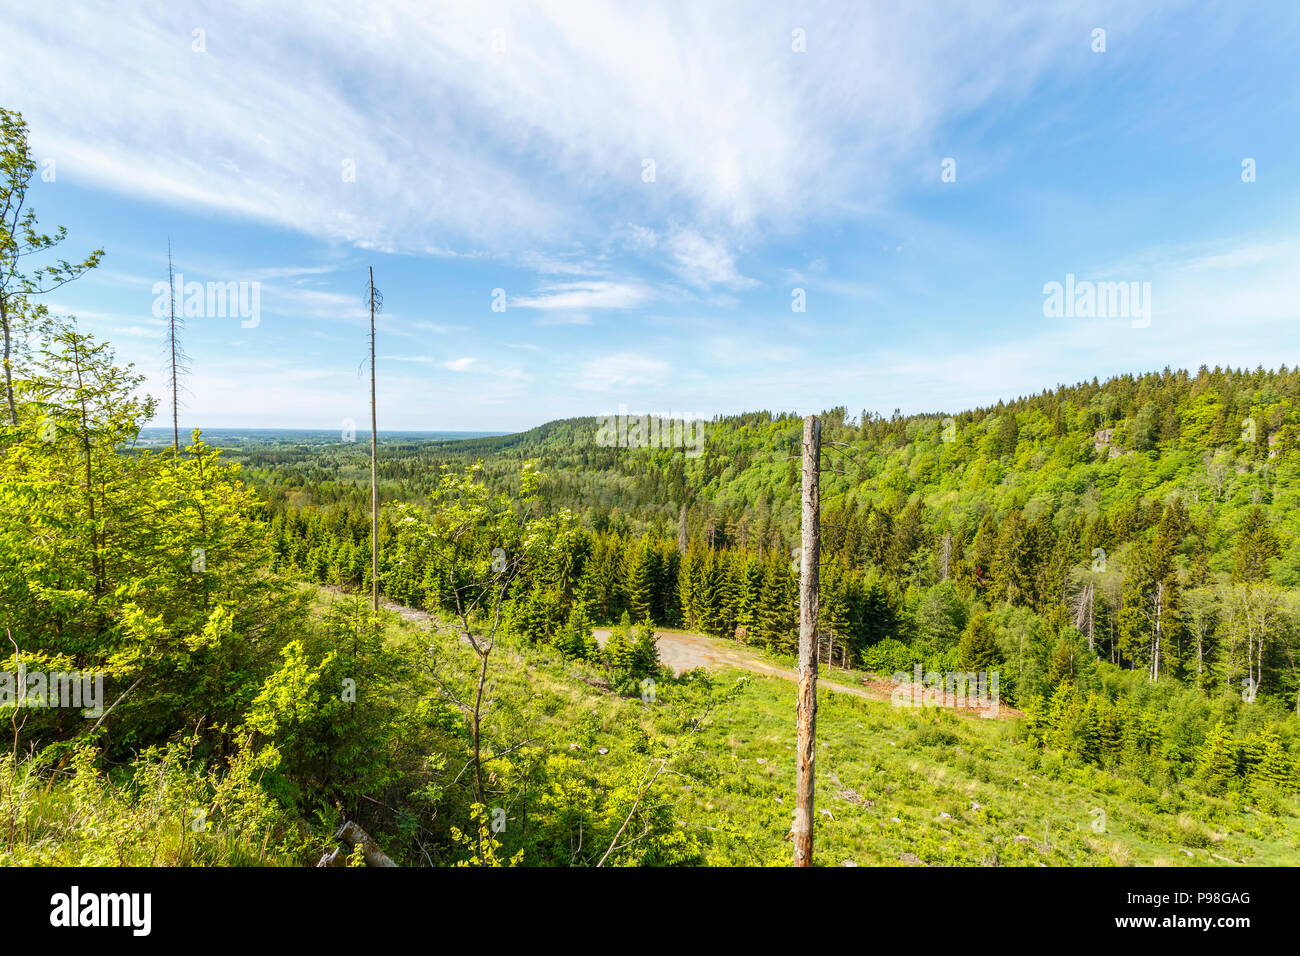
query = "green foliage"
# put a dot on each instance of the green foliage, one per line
(978, 650)
(1219, 757)
(168, 811)
(152, 569)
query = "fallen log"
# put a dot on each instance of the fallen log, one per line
(351, 836)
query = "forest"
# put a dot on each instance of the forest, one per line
(1124, 554)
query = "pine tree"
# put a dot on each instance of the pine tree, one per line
(575, 639)
(779, 605)
(978, 650)
(1062, 667)
(645, 652)
(1013, 560)
(750, 597)
(879, 612)
(687, 582)
(618, 649)
(1008, 433)
(984, 554)
(638, 584)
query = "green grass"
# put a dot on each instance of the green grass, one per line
(901, 785)
(894, 786)
(877, 764)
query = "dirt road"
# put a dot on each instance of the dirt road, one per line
(684, 650)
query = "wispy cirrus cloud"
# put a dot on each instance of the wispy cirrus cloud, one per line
(704, 261)
(353, 124)
(577, 296)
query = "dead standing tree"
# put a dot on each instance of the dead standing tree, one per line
(376, 302)
(178, 360)
(806, 708)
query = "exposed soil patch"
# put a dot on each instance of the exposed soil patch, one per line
(683, 650)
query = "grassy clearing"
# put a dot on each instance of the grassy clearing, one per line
(895, 786)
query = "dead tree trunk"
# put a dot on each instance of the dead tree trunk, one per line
(806, 710)
(177, 353)
(349, 836)
(374, 468)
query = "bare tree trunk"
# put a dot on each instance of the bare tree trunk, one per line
(1160, 606)
(374, 468)
(806, 710)
(351, 835)
(171, 341)
(1092, 607)
(478, 722)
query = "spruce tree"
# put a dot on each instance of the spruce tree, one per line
(645, 652)
(1257, 545)
(618, 649)
(638, 585)
(978, 650)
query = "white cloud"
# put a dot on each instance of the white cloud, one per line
(572, 318)
(140, 331)
(704, 261)
(622, 370)
(460, 364)
(318, 303)
(439, 328)
(575, 296)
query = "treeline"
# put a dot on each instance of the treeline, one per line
(1222, 436)
(1134, 587)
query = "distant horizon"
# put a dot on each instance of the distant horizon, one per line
(851, 408)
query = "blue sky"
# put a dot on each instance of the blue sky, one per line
(504, 146)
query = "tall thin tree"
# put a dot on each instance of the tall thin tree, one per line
(374, 450)
(806, 707)
(178, 356)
